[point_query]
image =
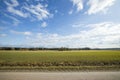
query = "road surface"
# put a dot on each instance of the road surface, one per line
(59, 75)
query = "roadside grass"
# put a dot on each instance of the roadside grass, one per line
(60, 60)
(60, 68)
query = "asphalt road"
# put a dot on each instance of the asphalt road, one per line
(59, 75)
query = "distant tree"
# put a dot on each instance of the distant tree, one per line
(86, 48)
(63, 49)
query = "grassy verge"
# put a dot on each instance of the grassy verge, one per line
(61, 68)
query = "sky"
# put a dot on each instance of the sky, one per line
(60, 23)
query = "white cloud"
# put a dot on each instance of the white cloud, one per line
(4, 22)
(44, 24)
(56, 11)
(15, 20)
(3, 35)
(94, 6)
(99, 5)
(27, 10)
(78, 4)
(14, 3)
(11, 8)
(39, 11)
(78, 25)
(70, 12)
(17, 12)
(104, 34)
(105, 28)
(100, 35)
(46, 5)
(27, 33)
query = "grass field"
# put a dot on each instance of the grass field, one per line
(50, 60)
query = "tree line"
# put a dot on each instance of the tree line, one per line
(59, 49)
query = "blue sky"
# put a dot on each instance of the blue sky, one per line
(60, 23)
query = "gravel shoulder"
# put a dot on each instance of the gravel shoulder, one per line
(115, 75)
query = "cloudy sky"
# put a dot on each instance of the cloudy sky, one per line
(60, 23)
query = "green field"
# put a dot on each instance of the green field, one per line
(50, 60)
